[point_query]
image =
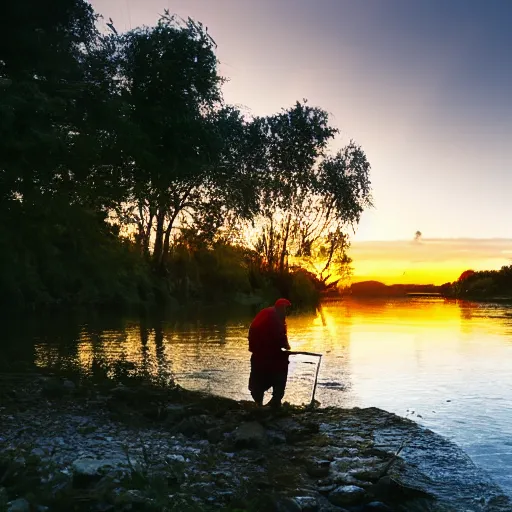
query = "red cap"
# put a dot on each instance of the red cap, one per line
(282, 302)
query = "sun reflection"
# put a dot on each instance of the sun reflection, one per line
(360, 340)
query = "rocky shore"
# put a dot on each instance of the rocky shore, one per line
(69, 445)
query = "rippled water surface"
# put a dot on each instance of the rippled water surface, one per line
(445, 364)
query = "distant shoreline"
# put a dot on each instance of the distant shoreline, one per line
(377, 289)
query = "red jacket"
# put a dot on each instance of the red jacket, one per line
(267, 336)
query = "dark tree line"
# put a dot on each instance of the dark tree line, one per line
(124, 173)
(483, 284)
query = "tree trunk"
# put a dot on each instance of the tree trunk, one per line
(285, 243)
(159, 238)
(270, 253)
(147, 236)
(167, 238)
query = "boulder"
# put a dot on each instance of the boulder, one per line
(307, 503)
(19, 505)
(392, 490)
(343, 478)
(250, 435)
(376, 506)
(347, 495)
(37, 452)
(276, 437)
(318, 468)
(195, 426)
(287, 505)
(173, 457)
(88, 470)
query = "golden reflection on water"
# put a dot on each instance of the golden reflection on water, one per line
(444, 363)
(362, 341)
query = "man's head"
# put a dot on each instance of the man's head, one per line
(281, 305)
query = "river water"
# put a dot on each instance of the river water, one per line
(445, 364)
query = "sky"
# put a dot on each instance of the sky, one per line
(423, 86)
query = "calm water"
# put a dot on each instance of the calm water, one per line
(445, 364)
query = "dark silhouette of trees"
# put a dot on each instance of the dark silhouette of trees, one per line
(125, 176)
(486, 284)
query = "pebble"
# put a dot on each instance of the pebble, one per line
(347, 495)
(19, 505)
(175, 458)
(216, 475)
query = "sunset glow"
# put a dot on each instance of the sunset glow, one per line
(415, 95)
(429, 261)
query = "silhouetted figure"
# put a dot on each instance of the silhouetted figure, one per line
(269, 364)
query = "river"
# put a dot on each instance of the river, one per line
(445, 364)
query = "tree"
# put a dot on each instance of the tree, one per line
(465, 275)
(185, 146)
(308, 198)
(44, 59)
(293, 141)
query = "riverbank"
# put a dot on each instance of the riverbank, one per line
(70, 445)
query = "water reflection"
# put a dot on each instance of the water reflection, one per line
(448, 361)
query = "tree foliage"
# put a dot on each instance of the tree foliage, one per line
(308, 198)
(119, 157)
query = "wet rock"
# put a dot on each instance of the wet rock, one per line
(38, 452)
(195, 426)
(203, 490)
(347, 495)
(318, 468)
(326, 488)
(19, 505)
(348, 479)
(391, 490)
(369, 475)
(374, 506)
(250, 435)
(222, 475)
(88, 470)
(173, 457)
(276, 437)
(301, 432)
(134, 496)
(307, 503)
(354, 440)
(287, 505)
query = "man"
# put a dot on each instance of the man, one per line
(269, 364)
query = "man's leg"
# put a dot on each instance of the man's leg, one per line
(278, 388)
(258, 384)
(257, 396)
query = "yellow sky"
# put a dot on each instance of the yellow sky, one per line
(427, 261)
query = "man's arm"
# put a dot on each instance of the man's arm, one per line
(283, 337)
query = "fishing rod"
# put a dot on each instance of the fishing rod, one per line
(313, 354)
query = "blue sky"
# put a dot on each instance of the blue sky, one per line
(423, 85)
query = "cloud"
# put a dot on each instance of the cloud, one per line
(434, 260)
(434, 249)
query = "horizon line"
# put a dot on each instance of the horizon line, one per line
(438, 239)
